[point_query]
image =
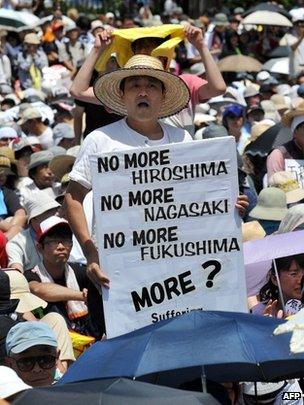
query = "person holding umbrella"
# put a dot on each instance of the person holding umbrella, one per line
(293, 149)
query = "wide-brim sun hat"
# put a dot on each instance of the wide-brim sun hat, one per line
(288, 117)
(107, 86)
(272, 205)
(20, 291)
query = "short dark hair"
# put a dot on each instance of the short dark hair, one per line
(123, 82)
(60, 230)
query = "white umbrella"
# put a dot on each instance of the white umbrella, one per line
(265, 17)
(12, 20)
(277, 65)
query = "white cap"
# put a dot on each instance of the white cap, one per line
(110, 15)
(10, 383)
(262, 76)
(8, 132)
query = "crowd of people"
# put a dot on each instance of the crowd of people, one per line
(64, 97)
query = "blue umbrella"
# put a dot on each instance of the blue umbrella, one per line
(112, 392)
(230, 347)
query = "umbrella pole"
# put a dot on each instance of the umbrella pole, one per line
(255, 392)
(279, 284)
(204, 380)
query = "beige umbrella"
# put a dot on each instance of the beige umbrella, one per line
(239, 63)
(264, 17)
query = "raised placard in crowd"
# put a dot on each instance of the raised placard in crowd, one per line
(296, 167)
(168, 232)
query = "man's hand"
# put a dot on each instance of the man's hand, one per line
(94, 272)
(194, 35)
(242, 204)
(103, 39)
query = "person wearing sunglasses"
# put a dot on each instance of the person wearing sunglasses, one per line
(32, 353)
(54, 280)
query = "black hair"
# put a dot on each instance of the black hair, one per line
(59, 230)
(8, 101)
(123, 82)
(270, 291)
(84, 23)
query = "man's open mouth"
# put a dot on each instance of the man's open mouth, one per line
(143, 104)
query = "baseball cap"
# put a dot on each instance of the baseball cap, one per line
(62, 131)
(25, 335)
(40, 158)
(41, 204)
(49, 224)
(8, 132)
(20, 291)
(10, 383)
(233, 109)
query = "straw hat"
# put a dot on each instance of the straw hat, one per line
(20, 290)
(288, 117)
(62, 164)
(286, 182)
(252, 231)
(31, 39)
(279, 102)
(106, 87)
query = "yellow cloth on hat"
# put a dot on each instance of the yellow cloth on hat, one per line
(123, 38)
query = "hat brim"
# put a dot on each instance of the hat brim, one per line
(52, 204)
(267, 213)
(294, 195)
(28, 302)
(61, 165)
(289, 116)
(107, 91)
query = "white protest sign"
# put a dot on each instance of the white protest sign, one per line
(168, 232)
(296, 167)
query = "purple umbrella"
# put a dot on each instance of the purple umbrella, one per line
(258, 255)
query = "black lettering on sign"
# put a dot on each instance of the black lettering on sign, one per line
(109, 202)
(151, 236)
(154, 196)
(159, 291)
(113, 240)
(107, 163)
(143, 159)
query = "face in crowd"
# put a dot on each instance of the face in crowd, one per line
(143, 97)
(42, 176)
(36, 366)
(56, 246)
(291, 277)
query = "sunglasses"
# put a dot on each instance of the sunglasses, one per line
(53, 243)
(27, 364)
